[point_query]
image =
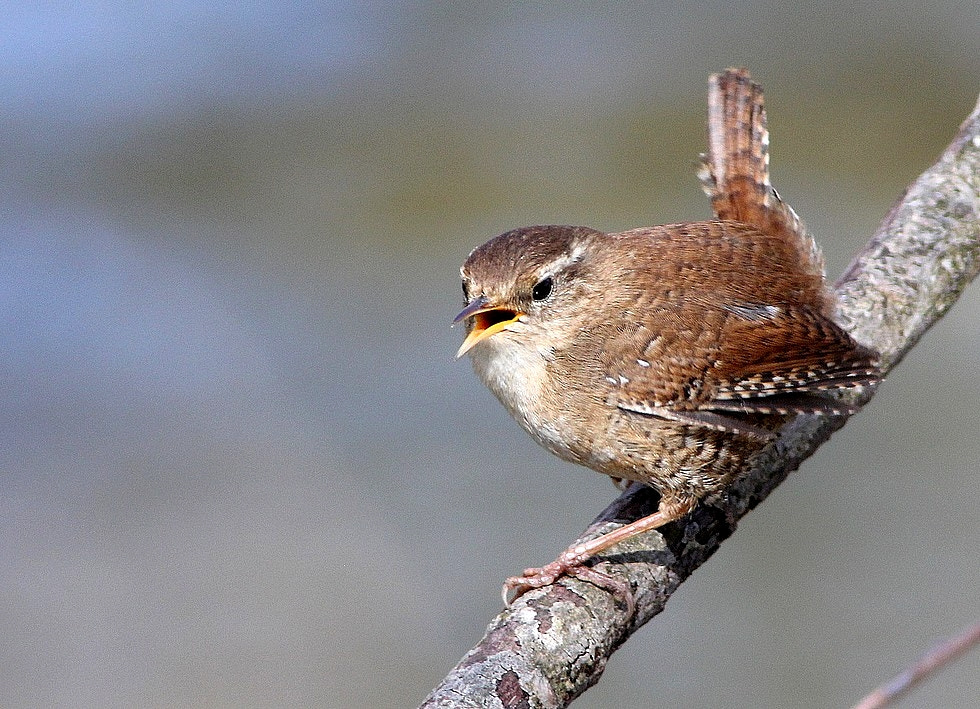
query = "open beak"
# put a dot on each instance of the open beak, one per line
(488, 320)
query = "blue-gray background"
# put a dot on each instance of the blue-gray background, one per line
(238, 464)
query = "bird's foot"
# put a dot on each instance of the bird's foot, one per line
(569, 562)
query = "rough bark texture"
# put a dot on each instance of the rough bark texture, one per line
(553, 643)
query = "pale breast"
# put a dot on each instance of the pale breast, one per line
(518, 376)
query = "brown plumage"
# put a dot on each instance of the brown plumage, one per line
(667, 355)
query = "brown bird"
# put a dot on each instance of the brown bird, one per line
(667, 355)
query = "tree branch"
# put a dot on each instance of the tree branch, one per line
(553, 643)
(940, 655)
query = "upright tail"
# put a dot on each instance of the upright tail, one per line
(735, 171)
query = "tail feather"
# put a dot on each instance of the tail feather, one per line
(735, 171)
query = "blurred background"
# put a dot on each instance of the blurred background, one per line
(238, 464)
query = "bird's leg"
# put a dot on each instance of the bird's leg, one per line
(572, 559)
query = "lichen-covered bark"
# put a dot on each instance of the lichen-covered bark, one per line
(553, 643)
(923, 256)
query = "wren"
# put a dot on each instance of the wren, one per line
(666, 355)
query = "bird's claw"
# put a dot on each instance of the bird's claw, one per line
(569, 563)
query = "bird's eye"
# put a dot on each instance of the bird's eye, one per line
(542, 289)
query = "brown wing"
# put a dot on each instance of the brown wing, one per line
(727, 325)
(783, 363)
